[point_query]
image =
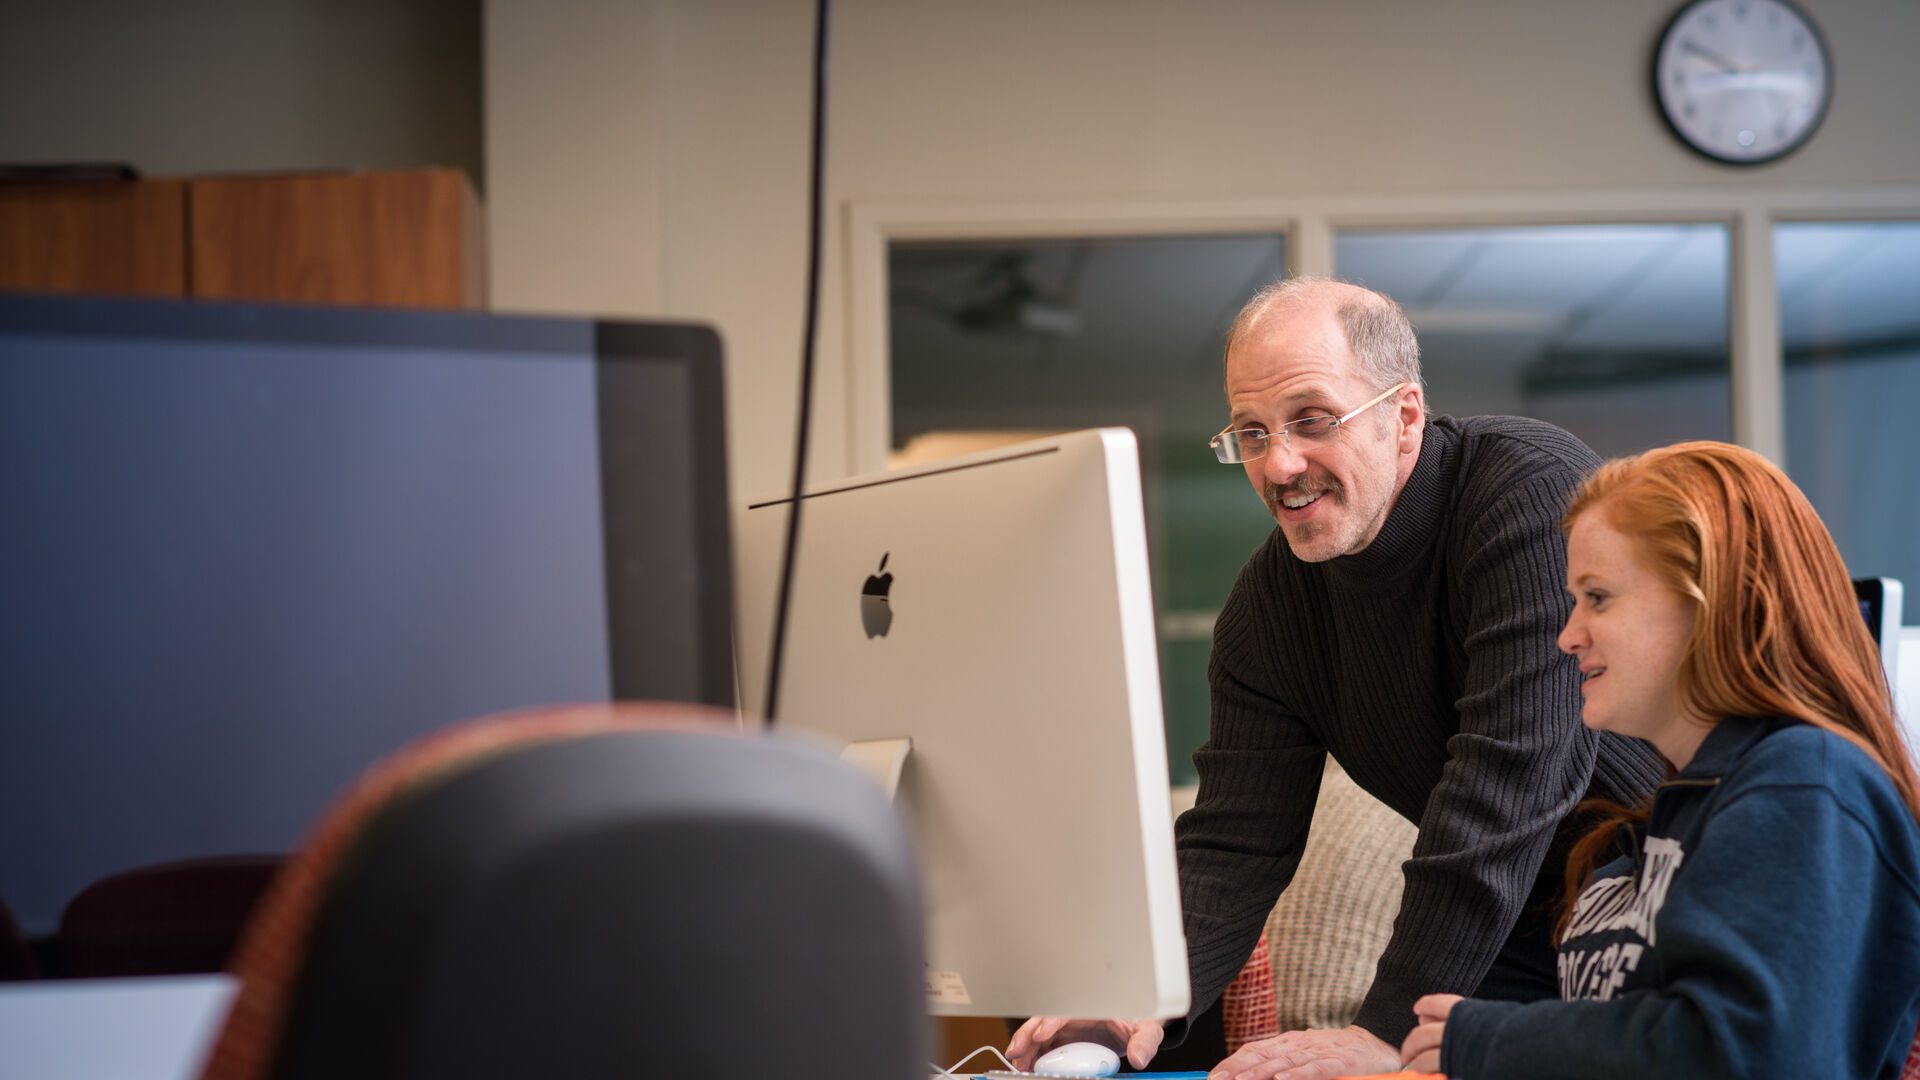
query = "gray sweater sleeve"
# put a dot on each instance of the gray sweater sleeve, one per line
(1518, 764)
(1260, 774)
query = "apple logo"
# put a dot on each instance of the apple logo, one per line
(876, 613)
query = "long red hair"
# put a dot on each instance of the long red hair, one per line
(1778, 631)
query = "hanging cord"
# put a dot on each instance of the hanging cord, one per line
(804, 423)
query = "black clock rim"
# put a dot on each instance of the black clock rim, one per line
(1666, 115)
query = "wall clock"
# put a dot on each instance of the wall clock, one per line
(1742, 81)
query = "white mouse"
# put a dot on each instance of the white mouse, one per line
(1077, 1059)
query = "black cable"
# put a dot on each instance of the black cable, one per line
(804, 423)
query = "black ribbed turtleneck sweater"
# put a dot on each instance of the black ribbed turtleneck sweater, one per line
(1426, 664)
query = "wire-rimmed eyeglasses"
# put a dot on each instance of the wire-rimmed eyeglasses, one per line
(1236, 445)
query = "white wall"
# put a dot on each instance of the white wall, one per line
(649, 158)
(1099, 97)
(199, 86)
(993, 100)
(574, 189)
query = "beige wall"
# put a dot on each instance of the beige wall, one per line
(198, 86)
(1099, 100)
(648, 157)
(576, 148)
(1089, 98)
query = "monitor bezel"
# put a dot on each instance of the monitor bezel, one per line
(694, 346)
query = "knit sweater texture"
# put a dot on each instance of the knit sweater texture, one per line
(1426, 665)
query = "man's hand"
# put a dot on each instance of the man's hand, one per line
(1310, 1055)
(1421, 1051)
(1138, 1040)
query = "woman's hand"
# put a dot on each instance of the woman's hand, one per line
(1421, 1052)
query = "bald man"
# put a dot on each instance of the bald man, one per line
(1402, 618)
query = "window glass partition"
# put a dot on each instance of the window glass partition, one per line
(1850, 338)
(995, 340)
(1617, 333)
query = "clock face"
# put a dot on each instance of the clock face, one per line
(1742, 81)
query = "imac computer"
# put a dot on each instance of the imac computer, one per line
(1880, 604)
(991, 616)
(247, 551)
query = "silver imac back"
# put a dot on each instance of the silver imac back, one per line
(995, 610)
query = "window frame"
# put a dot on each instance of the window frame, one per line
(1309, 223)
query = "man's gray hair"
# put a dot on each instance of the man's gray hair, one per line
(1377, 330)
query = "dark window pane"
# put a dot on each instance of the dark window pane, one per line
(1850, 330)
(1617, 333)
(1020, 337)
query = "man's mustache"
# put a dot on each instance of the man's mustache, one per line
(1318, 485)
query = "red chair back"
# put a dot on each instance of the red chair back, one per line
(176, 918)
(16, 955)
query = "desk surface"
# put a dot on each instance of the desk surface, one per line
(155, 1028)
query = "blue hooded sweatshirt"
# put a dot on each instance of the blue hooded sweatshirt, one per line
(1767, 924)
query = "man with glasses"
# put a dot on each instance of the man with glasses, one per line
(1402, 618)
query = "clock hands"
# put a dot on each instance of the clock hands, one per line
(1711, 57)
(1783, 82)
(1733, 76)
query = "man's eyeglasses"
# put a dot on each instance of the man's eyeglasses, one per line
(1236, 445)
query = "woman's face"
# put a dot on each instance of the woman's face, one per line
(1629, 631)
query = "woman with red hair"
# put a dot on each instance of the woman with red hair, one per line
(1761, 915)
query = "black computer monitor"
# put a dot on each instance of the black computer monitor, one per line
(1880, 604)
(246, 551)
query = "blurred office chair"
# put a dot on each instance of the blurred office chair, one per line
(174, 918)
(589, 891)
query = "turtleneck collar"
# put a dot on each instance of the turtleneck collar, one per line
(1406, 539)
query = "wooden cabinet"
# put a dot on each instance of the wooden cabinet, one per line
(122, 238)
(411, 238)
